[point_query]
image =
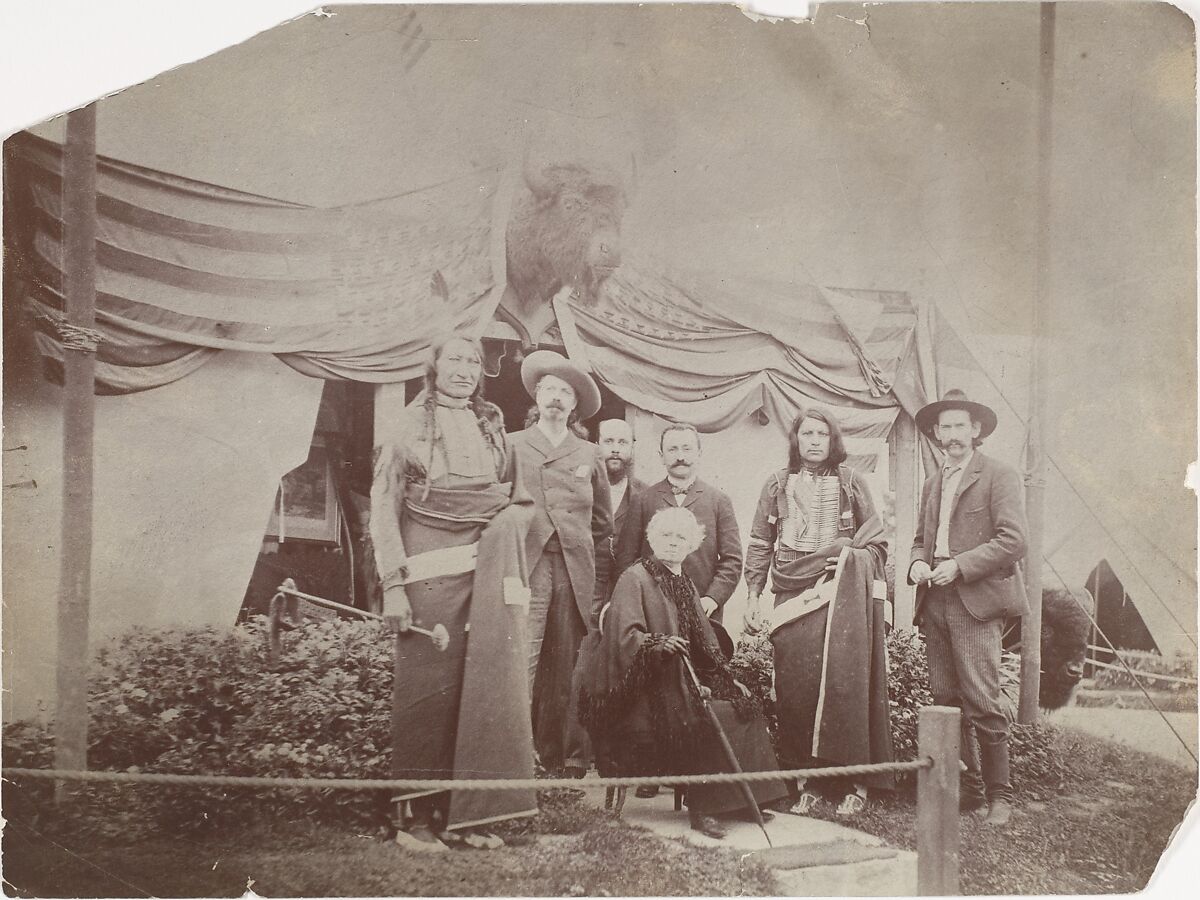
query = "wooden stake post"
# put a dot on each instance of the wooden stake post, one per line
(79, 290)
(937, 802)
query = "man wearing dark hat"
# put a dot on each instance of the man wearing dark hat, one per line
(572, 517)
(970, 538)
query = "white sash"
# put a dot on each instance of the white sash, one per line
(816, 597)
(442, 562)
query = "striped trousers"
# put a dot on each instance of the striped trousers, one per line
(964, 671)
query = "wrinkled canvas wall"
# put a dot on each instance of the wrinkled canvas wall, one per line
(185, 478)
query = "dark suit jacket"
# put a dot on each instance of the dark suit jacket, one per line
(716, 565)
(570, 498)
(606, 556)
(987, 538)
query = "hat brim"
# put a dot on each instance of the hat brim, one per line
(547, 362)
(927, 416)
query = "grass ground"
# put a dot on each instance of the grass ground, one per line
(1099, 828)
(570, 851)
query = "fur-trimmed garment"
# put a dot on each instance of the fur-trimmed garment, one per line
(446, 483)
(641, 702)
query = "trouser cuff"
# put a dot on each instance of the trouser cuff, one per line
(999, 792)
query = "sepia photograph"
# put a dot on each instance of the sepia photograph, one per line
(599, 450)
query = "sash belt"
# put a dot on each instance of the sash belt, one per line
(441, 562)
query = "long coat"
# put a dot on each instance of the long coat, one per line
(716, 565)
(570, 498)
(986, 538)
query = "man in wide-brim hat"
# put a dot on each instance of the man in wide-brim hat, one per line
(970, 538)
(572, 518)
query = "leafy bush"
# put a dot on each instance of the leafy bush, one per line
(207, 701)
(1176, 666)
(753, 665)
(908, 688)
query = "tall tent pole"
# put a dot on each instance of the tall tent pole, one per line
(79, 346)
(1035, 450)
(905, 488)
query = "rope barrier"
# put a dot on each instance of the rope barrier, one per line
(456, 784)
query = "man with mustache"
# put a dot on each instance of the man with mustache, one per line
(970, 538)
(616, 452)
(571, 520)
(716, 566)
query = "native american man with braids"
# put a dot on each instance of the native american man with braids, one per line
(449, 517)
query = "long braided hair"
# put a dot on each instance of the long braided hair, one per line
(488, 416)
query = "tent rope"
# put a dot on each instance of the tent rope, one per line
(72, 337)
(1125, 665)
(1067, 478)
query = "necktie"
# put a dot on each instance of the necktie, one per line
(678, 491)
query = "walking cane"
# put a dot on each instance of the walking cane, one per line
(730, 756)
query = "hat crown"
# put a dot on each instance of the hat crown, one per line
(954, 394)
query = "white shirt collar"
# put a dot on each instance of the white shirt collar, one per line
(686, 485)
(961, 465)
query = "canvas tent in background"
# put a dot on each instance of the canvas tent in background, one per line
(271, 217)
(1084, 529)
(199, 285)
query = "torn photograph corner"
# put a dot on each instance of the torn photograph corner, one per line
(578, 450)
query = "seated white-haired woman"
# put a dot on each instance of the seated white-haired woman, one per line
(637, 698)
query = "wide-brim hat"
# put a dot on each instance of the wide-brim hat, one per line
(547, 362)
(927, 416)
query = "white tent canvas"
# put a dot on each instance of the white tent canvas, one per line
(798, 154)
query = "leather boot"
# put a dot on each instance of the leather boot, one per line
(993, 764)
(999, 812)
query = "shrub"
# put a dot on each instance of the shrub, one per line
(207, 701)
(1176, 666)
(908, 688)
(753, 665)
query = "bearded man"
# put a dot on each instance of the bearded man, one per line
(616, 452)
(970, 538)
(571, 519)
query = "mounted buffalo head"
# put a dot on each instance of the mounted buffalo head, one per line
(1065, 630)
(565, 229)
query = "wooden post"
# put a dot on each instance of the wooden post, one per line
(1035, 450)
(904, 435)
(79, 290)
(937, 802)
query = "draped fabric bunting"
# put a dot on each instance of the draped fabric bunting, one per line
(769, 351)
(186, 269)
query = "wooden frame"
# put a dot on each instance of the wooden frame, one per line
(306, 501)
